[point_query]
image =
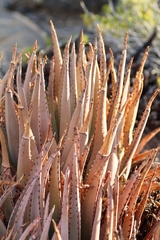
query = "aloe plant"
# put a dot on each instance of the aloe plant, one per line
(72, 162)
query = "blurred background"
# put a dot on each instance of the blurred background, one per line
(23, 22)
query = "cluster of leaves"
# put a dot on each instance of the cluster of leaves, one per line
(72, 165)
(129, 14)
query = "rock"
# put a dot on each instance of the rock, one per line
(16, 28)
(94, 5)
